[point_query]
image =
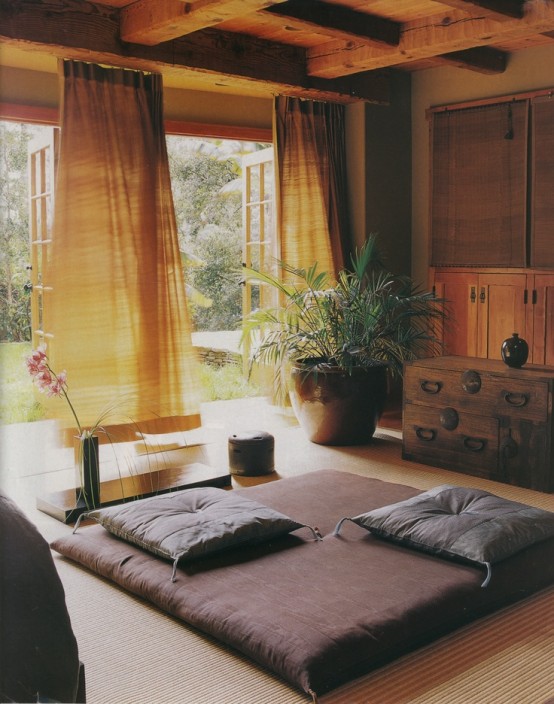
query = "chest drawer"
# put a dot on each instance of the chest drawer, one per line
(481, 417)
(471, 447)
(477, 393)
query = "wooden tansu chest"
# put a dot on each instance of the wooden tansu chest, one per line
(481, 417)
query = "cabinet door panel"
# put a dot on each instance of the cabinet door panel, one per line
(460, 328)
(543, 319)
(501, 311)
(486, 308)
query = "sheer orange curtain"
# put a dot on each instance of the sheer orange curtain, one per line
(312, 215)
(117, 305)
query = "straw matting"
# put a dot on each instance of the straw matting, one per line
(135, 654)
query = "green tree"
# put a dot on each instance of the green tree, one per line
(14, 228)
(197, 178)
(222, 250)
(207, 192)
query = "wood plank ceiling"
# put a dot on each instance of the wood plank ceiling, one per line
(341, 50)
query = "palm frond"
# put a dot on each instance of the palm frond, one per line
(367, 315)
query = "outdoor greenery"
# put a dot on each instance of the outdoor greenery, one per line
(14, 232)
(225, 382)
(18, 402)
(207, 191)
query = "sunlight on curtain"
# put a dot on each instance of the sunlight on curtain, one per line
(311, 202)
(118, 309)
(312, 215)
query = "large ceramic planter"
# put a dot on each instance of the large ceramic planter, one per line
(337, 408)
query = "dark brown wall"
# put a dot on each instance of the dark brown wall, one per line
(388, 173)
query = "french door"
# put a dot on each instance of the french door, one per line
(42, 160)
(260, 247)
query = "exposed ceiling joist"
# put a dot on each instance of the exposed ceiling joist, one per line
(424, 39)
(337, 50)
(243, 60)
(482, 59)
(230, 54)
(499, 10)
(152, 22)
(343, 22)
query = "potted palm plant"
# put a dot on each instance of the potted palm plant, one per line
(335, 344)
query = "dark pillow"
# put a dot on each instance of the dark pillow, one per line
(39, 657)
(457, 522)
(193, 523)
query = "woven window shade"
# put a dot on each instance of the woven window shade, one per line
(479, 186)
(542, 212)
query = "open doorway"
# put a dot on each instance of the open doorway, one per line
(223, 194)
(223, 191)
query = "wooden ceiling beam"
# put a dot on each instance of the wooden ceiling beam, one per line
(482, 59)
(79, 30)
(499, 10)
(284, 67)
(336, 21)
(423, 39)
(152, 22)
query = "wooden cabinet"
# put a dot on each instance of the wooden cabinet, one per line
(487, 306)
(481, 417)
(542, 320)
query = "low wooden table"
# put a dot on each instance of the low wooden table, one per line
(63, 505)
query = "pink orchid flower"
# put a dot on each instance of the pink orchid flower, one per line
(47, 381)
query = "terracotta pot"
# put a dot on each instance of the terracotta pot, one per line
(336, 408)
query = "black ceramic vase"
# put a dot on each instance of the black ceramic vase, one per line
(88, 471)
(514, 351)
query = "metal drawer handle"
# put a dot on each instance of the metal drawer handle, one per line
(514, 399)
(431, 387)
(474, 444)
(508, 448)
(427, 434)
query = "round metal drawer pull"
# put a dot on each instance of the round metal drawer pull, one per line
(471, 382)
(474, 444)
(431, 387)
(516, 399)
(427, 434)
(449, 418)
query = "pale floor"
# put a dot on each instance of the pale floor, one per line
(32, 464)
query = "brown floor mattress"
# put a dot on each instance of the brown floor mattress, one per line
(318, 613)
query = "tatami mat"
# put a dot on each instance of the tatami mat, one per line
(135, 654)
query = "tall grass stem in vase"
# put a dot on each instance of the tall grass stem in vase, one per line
(86, 450)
